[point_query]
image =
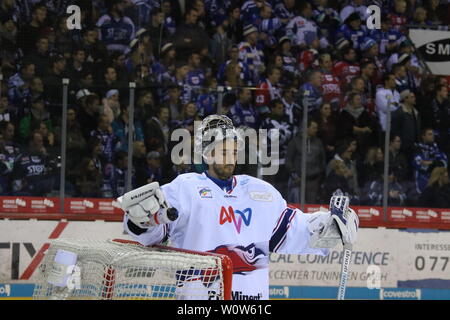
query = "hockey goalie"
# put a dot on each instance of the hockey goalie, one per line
(237, 215)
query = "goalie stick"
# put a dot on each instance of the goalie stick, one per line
(347, 255)
(339, 206)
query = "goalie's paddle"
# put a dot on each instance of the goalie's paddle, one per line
(339, 206)
(347, 256)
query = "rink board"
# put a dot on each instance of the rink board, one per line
(406, 261)
(25, 292)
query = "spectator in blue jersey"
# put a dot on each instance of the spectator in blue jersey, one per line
(250, 11)
(170, 21)
(31, 173)
(426, 157)
(310, 91)
(355, 6)
(270, 26)
(117, 177)
(401, 80)
(373, 191)
(217, 10)
(166, 63)
(290, 66)
(196, 75)
(7, 111)
(387, 37)
(89, 180)
(179, 79)
(285, 9)
(116, 30)
(104, 133)
(243, 113)
(120, 128)
(302, 24)
(140, 12)
(207, 100)
(251, 53)
(152, 172)
(277, 120)
(19, 84)
(6, 166)
(292, 108)
(353, 30)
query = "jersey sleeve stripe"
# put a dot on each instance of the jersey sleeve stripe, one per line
(280, 231)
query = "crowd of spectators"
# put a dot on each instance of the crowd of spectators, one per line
(274, 58)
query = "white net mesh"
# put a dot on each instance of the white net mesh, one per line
(111, 270)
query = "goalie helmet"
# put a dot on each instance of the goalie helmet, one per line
(213, 129)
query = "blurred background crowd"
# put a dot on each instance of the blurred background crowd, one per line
(259, 62)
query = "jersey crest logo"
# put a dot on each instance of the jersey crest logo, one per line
(205, 193)
(229, 216)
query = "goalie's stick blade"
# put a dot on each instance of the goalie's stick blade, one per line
(344, 270)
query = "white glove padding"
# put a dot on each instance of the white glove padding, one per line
(348, 227)
(150, 210)
(323, 230)
(327, 229)
(345, 217)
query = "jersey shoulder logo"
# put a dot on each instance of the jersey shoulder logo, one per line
(261, 196)
(205, 192)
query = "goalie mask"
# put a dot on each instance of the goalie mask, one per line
(212, 130)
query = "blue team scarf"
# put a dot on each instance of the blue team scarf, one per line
(226, 185)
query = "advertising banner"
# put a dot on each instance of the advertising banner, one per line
(382, 258)
(434, 48)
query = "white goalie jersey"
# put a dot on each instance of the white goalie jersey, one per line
(246, 223)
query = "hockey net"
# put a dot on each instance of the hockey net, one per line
(121, 269)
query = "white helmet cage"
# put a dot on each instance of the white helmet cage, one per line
(213, 129)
